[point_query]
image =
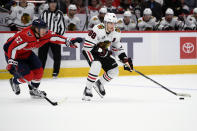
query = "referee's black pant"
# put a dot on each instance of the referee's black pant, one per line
(56, 50)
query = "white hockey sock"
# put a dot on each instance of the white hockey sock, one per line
(93, 73)
(109, 75)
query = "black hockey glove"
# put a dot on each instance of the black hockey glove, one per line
(72, 42)
(102, 52)
(128, 64)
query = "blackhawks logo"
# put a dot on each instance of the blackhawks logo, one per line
(101, 26)
(25, 18)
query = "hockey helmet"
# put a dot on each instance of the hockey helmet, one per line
(169, 11)
(103, 10)
(127, 13)
(110, 17)
(147, 11)
(195, 10)
(39, 23)
(72, 7)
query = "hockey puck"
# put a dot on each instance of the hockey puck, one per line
(181, 98)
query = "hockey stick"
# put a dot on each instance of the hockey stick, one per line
(177, 94)
(43, 96)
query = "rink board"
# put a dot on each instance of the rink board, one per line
(152, 53)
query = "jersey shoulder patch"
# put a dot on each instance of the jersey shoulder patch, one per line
(100, 26)
(117, 29)
(119, 21)
(95, 18)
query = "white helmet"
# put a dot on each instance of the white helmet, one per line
(72, 7)
(147, 11)
(103, 10)
(169, 11)
(110, 17)
(195, 10)
(127, 13)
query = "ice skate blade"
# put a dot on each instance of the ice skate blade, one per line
(97, 90)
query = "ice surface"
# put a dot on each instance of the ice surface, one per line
(132, 103)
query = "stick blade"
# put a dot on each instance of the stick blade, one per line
(183, 94)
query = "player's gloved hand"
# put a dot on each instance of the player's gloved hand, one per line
(12, 66)
(73, 41)
(128, 64)
(102, 52)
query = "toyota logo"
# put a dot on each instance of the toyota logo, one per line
(188, 47)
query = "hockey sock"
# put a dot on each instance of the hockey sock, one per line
(109, 75)
(93, 73)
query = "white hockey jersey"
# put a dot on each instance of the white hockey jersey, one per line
(94, 21)
(22, 16)
(173, 23)
(42, 8)
(126, 27)
(143, 25)
(191, 22)
(98, 35)
(72, 23)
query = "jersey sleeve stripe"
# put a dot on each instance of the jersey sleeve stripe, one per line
(13, 53)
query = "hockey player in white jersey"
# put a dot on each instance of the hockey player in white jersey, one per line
(98, 18)
(97, 53)
(72, 21)
(21, 15)
(147, 22)
(127, 23)
(170, 22)
(191, 21)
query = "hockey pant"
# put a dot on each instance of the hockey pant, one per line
(30, 68)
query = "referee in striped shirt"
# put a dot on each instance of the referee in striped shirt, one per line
(56, 23)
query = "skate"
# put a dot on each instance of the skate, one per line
(15, 87)
(54, 75)
(35, 93)
(99, 88)
(87, 94)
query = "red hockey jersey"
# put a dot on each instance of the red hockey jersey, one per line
(20, 46)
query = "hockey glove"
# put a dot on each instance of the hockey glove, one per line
(12, 66)
(73, 41)
(128, 64)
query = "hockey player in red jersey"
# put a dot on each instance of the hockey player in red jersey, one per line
(21, 59)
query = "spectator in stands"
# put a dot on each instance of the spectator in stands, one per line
(175, 5)
(80, 6)
(191, 21)
(22, 15)
(7, 4)
(115, 3)
(191, 3)
(94, 7)
(124, 6)
(170, 22)
(147, 22)
(110, 8)
(72, 21)
(98, 19)
(154, 6)
(185, 8)
(64, 5)
(127, 23)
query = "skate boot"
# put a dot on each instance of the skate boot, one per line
(87, 94)
(15, 87)
(35, 93)
(99, 88)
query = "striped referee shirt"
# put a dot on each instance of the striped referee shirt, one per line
(55, 21)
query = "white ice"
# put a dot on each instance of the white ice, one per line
(132, 103)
